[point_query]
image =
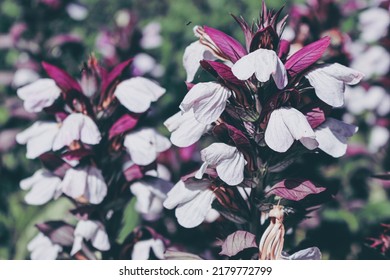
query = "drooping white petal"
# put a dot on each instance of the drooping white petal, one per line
(75, 127)
(193, 213)
(39, 94)
(24, 76)
(229, 162)
(142, 249)
(329, 82)
(86, 183)
(332, 136)
(193, 54)
(263, 63)
(43, 187)
(184, 192)
(185, 129)
(42, 248)
(285, 125)
(144, 144)
(96, 186)
(150, 194)
(208, 101)
(39, 138)
(136, 94)
(90, 231)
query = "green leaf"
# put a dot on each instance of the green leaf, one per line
(129, 221)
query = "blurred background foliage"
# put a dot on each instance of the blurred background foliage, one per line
(339, 228)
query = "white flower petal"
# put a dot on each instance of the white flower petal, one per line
(42, 248)
(332, 136)
(74, 182)
(184, 192)
(231, 171)
(75, 127)
(277, 135)
(208, 101)
(285, 125)
(263, 63)
(185, 129)
(193, 213)
(77, 245)
(229, 162)
(136, 94)
(193, 54)
(39, 138)
(43, 187)
(329, 82)
(144, 144)
(100, 239)
(39, 94)
(141, 250)
(96, 186)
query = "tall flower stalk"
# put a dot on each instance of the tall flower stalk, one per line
(264, 109)
(96, 150)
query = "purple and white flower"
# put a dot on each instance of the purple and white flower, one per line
(42, 186)
(84, 184)
(93, 231)
(227, 160)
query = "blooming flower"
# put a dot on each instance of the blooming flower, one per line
(229, 163)
(263, 63)
(136, 94)
(142, 249)
(373, 24)
(39, 138)
(286, 125)
(208, 101)
(192, 200)
(43, 186)
(329, 82)
(42, 248)
(39, 94)
(186, 130)
(77, 127)
(144, 145)
(90, 231)
(85, 184)
(332, 136)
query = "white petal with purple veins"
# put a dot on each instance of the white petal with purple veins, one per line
(75, 127)
(286, 125)
(333, 135)
(185, 129)
(193, 54)
(329, 82)
(143, 145)
(184, 192)
(227, 160)
(208, 101)
(39, 94)
(136, 94)
(194, 212)
(85, 183)
(263, 63)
